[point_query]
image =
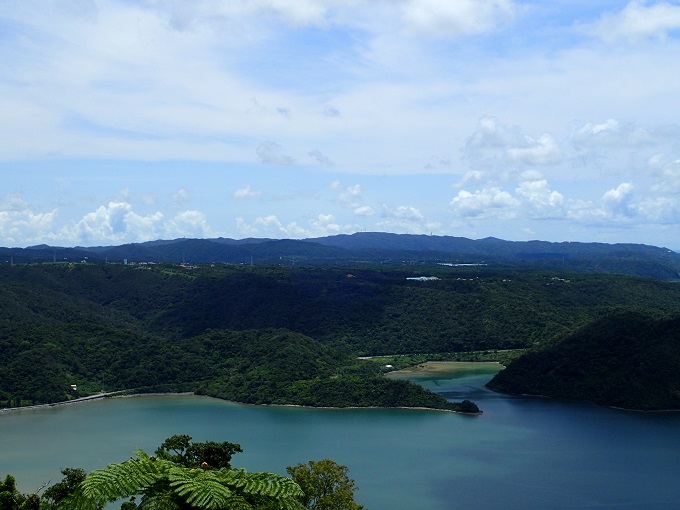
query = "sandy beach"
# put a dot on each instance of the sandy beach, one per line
(431, 368)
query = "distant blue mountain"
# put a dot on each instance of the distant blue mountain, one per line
(374, 248)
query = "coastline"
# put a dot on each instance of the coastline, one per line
(426, 369)
(125, 394)
(301, 406)
(82, 400)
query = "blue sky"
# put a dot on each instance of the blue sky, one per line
(131, 120)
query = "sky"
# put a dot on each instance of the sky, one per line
(134, 120)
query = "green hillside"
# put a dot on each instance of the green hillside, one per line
(626, 360)
(110, 328)
(269, 334)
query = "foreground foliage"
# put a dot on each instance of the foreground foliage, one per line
(12, 499)
(162, 484)
(57, 494)
(187, 475)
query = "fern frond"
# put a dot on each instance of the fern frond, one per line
(121, 480)
(77, 502)
(159, 500)
(289, 504)
(164, 485)
(261, 484)
(238, 503)
(201, 489)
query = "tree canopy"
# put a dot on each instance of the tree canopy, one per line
(12, 499)
(180, 450)
(326, 485)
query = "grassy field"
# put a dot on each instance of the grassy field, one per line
(402, 361)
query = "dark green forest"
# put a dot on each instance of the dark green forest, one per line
(626, 360)
(273, 334)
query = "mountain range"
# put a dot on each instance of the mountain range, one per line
(374, 248)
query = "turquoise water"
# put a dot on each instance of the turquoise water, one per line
(522, 453)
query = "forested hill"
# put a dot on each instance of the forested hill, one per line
(275, 334)
(626, 360)
(376, 247)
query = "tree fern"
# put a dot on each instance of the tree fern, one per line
(201, 489)
(126, 479)
(265, 484)
(160, 500)
(164, 485)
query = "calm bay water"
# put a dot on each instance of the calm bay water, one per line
(522, 453)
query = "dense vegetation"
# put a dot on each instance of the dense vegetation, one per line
(268, 334)
(112, 327)
(625, 360)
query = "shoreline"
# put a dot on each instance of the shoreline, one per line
(124, 394)
(83, 400)
(302, 406)
(80, 400)
(426, 369)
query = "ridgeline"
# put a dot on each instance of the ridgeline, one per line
(370, 248)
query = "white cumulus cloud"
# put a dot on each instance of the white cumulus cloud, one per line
(487, 202)
(118, 223)
(619, 199)
(189, 224)
(364, 210)
(542, 201)
(19, 222)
